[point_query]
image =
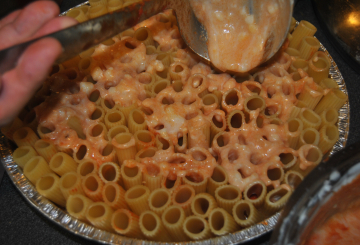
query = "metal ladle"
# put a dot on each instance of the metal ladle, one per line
(85, 35)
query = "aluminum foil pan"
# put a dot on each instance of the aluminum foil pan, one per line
(62, 218)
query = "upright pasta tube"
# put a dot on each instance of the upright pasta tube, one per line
(245, 214)
(99, 215)
(203, 204)
(76, 205)
(329, 134)
(152, 227)
(49, 186)
(86, 167)
(221, 222)
(294, 128)
(277, 198)
(196, 228)
(226, 196)
(114, 195)
(23, 154)
(70, 184)
(62, 163)
(318, 69)
(310, 156)
(114, 118)
(136, 121)
(144, 139)
(255, 193)
(159, 200)
(173, 218)
(25, 136)
(329, 116)
(110, 172)
(137, 198)
(171, 183)
(125, 148)
(309, 136)
(35, 168)
(304, 29)
(218, 178)
(45, 149)
(309, 118)
(197, 181)
(308, 46)
(116, 130)
(126, 223)
(92, 186)
(131, 176)
(293, 179)
(183, 196)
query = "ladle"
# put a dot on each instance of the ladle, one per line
(85, 35)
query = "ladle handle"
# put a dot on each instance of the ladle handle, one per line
(85, 35)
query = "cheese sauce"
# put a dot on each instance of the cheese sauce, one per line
(237, 39)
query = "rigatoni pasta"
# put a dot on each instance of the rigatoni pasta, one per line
(160, 139)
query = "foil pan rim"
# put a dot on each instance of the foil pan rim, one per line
(62, 218)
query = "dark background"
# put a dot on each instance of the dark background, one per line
(20, 223)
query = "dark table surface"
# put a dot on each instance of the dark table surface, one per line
(20, 223)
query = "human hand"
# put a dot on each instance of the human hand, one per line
(19, 84)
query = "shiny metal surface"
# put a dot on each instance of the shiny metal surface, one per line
(61, 217)
(341, 19)
(90, 33)
(319, 197)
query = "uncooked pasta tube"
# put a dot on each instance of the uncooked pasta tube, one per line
(255, 193)
(136, 121)
(308, 46)
(77, 204)
(131, 176)
(114, 5)
(304, 29)
(159, 200)
(245, 213)
(35, 168)
(173, 218)
(143, 34)
(197, 181)
(86, 167)
(329, 116)
(137, 198)
(203, 204)
(70, 184)
(310, 156)
(116, 130)
(125, 148)
(99, 215)
(183, 196)
(221, 222)
(333, 99)
(126, 223)
(309, 118)
(23, 154)
(152, 227)
(45, 149)
(171, 183)
(196, 228)
(114, 195)
(144, 139)
(226, 196)
(49, 186)
(318, 69)
(295, 127)
(97, 131)
(218, 178)
(293, 179)
(329, 134)
(110, 172)
(277, 198)
(311, 96)
(25, 136)
(309, 136)
(96, 11)
(62, 163)
(299, 63)
(114, 118)
(92, 186)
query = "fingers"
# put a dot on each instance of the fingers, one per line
(9, 18)
(28, 22)
(54, 25)
(19, 84)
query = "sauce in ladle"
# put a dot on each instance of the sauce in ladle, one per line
(238, 40)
